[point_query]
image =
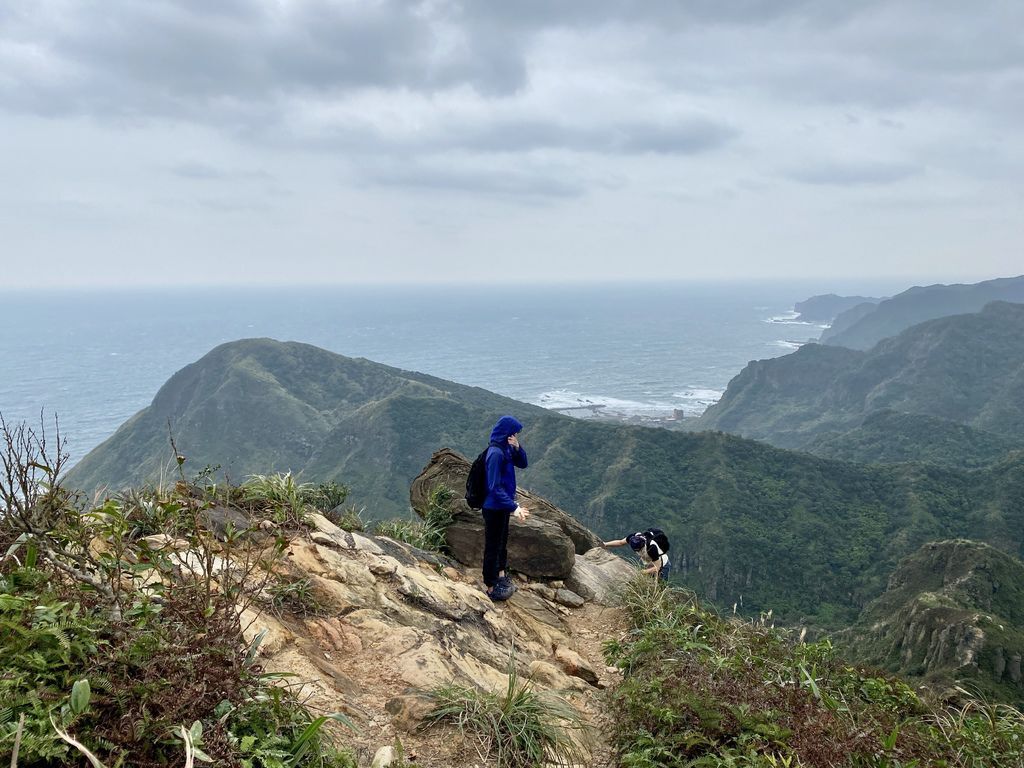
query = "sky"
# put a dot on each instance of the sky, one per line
(182, 142)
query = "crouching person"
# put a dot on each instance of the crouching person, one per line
(652, 543)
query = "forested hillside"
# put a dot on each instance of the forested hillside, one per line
(965, 369)
(953, 613)
(750, 524)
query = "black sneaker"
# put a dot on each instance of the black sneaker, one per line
(501, 591)
(508, 583)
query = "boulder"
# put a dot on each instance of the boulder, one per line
(409, 710)
(221, 520)
(339, 537)
(535, 547)
(568, 598)
(598, 574)
(544, 546)
(575, 665)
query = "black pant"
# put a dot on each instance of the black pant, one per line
(495, 543)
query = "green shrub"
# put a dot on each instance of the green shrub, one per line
(294, 595)
(131, 647)
(429, 532)
(279, 495)
(348, 519)
(324, 497)
(701, 689)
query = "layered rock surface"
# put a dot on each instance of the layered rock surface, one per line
(391, 622)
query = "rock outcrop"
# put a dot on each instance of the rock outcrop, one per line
(545, 546)
(389, 622)
(952, 612)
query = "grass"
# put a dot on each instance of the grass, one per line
(294, 595)
(703, 690)
(519, 728)
(348, 519)
(427, 533)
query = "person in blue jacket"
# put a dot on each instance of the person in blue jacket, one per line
(504, 454)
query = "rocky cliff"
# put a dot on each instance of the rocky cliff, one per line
(953, 613)
(394, 621)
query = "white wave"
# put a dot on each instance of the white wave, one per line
(691, 401)
(790, 321)
(788, 344)
(583, 405)
(698, 393)
(696, 400)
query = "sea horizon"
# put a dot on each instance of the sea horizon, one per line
(95, 357)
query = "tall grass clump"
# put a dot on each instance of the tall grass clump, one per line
(429, 532)
(703, 690)
(519, 728)
(120, 629)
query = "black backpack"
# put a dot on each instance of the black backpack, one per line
(659, 538)
(476, 481)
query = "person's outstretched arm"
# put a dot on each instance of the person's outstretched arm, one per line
(616, 543)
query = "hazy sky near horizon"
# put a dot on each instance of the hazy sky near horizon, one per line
(297, 141)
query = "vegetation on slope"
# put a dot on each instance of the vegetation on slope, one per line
(750, 524)
(120, 629)
(967, 369)
(258, 405)
(812, 539)
(953, 614)
(703, 690)
(518, 728)
(889, 437)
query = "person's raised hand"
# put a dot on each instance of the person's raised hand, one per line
(513, 441)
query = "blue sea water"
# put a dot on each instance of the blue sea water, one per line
(97, 358)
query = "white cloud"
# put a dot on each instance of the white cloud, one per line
(647, 135)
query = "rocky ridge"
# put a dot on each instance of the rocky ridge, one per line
(393, 621)
(951, 615)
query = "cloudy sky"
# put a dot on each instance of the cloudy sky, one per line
(270, 141)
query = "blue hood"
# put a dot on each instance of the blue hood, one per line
(506, 427)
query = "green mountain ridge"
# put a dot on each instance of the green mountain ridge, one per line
(826, 307)
(887, 437)
(750, 524)
(863, 326)
(964, 369)
(953, 613)
(259, 405)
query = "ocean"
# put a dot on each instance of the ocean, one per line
(95, 358)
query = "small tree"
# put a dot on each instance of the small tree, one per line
(31, 471)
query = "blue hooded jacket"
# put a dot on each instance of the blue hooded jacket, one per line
(502, 459)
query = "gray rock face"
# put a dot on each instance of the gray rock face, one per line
(597, 575)
(544, 546)
(535, 547)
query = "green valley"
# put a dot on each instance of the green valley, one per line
(763, 528)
